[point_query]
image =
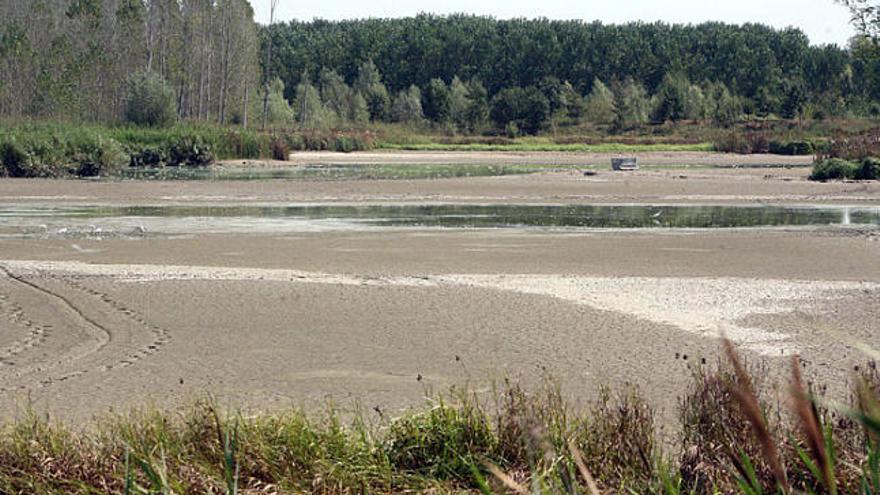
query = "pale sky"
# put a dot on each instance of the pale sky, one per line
(822, 20)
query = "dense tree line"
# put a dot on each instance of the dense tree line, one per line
(154, 61)
(765, 66)
(101, 60)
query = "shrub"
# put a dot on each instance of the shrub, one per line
(243, 144)
(13, 158)
(147, 156)
(55, 154)
(833, 168)
(150, 101)
(868, 169)
(96, 156)
(527, 108)
(791, 148)
(280, 150)
(743, 143)
(190, 151)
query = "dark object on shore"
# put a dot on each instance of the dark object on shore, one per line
(590, 173)
(628, 163)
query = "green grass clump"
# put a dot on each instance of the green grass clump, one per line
(732, 440)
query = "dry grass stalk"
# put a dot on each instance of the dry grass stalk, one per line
(805, 410)
(582, 468)
(509, 482)
(744, 393)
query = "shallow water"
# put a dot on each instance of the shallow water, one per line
(178, 219)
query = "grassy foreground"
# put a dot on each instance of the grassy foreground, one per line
(731, 441)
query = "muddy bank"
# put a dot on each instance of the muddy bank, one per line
(695, 186)
(652, 158)
(274, 321)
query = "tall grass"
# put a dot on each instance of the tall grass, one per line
(732, 440)
(56, 149)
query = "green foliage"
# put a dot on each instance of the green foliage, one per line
(794, 98)
(347, 105)
(279, 113)
(572, 102)
(833, 168)
(442, 443)
(369, 85)
(150, 101)
(458, 104)
(750, 58)
(76, 152)
(309, 110)
(723, 107)
(601, 108)
(190, 151)
(869, 169)
(476, 114)
(62, 150)
(793, 148)
(526, 109)
(407, 106)
(632, 105)
(672, 99)
(436, 101)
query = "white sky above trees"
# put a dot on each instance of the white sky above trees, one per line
(824, 21)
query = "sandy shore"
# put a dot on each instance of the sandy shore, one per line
(383, 318)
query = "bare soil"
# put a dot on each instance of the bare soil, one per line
(385, 318)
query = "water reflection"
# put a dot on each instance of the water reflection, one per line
(449, 216)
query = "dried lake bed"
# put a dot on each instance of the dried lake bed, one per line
(295, 291)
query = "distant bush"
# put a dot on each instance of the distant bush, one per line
(190, 151)
(744, 143)
(792, 148)
(96, 156)
(280, 150)
(869, 169)
(13, 158)
(150, 101)
(148, 156)
(833, 168)
(838, 168)
(57, 154)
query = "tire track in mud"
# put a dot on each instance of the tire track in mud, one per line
(113, 328)
(160, 337)
(34, 334)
